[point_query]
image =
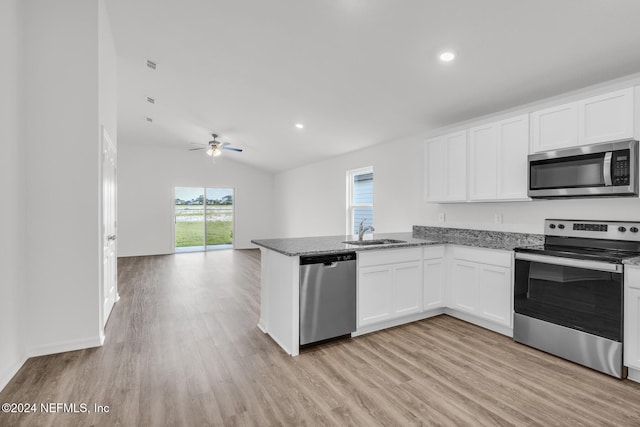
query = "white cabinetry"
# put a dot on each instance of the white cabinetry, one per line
(389, 284)
(433, 286)
(481, 283)
(498, 160)
(446, 168)
(602, 118)
(632, 321)
(606, 117)
(513, 148)
(483, 155)
(555, 127)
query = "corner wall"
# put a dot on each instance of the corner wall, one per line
(147, 176)
(13, 225)
(61, 139)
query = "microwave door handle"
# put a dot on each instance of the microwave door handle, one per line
(606, 169)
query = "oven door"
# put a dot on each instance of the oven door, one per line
(578, 294)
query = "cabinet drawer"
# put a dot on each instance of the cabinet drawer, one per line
(388, 256)
(632, 277)
(433, 252)
(484, 256)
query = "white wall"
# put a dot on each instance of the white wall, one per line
(62, 140)
(12, 186)
(312, 199)
(147, 177)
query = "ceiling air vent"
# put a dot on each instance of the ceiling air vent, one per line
(151, 100)
(149, 119)
(151, 64)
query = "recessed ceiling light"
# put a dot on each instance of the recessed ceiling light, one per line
(299, 125)
(447, 56)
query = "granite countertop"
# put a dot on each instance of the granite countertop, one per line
(632, 261)
(335, 244)
(421, 236)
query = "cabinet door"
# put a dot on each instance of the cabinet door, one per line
(554, 128)
(606, 117)
(464, 286)
(632, 328)
(513, 148)
(435, 183)
(494, 285)
(433, 284)
(482, 162)
(375, 298)
(407, 288)
(456, 169)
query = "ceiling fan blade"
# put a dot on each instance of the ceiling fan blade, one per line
(224, 144)
(195, 149)
(233, 149)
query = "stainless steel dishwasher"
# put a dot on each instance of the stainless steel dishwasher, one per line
(327, 296)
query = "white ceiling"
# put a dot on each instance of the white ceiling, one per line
(355, 72)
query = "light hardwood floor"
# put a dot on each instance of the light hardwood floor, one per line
(183, 349)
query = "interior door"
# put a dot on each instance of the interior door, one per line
(110, 266)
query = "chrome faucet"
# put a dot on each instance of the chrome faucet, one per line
(362, 229)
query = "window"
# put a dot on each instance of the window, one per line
(203, 219)
(359, 198)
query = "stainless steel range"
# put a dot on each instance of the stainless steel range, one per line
(568, 293)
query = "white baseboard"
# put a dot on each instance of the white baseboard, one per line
(396, 322)
(633, 375)
(8, 374)
(480, 322)
(262, 327)
(65, 346)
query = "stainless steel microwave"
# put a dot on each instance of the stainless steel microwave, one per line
(598, 170)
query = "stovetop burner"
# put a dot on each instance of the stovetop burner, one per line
(605, 241)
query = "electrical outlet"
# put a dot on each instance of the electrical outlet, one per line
(497, 218)
(441, 217)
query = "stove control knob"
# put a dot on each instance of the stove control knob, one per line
(622, 229)
(561, 226)
(552, 226)
(634, 229)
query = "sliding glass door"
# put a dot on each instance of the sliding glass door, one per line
(219, 224)
(203, 219)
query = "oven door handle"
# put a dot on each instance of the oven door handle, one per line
(571, 262)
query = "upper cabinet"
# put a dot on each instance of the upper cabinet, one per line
(446, 168)
(498, 160)
(488, 162)
(602, 118)
(606, 117)
(555, 127)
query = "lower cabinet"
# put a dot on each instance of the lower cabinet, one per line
(632, 319)
(433, 285)
(389, 284)
(480, 284)
(398, 283)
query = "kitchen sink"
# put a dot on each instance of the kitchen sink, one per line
(374, 242)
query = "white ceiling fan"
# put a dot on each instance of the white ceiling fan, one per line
(214, 148)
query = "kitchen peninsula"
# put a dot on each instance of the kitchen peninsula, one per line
(449, 268)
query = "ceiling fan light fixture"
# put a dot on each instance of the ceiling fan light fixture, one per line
(217, 151)
(210, 150)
